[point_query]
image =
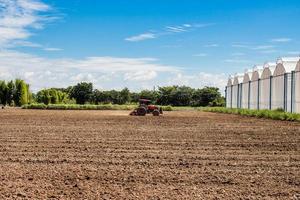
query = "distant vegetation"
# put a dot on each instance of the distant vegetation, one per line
(268, 114)
(17, 93)
(85, 107)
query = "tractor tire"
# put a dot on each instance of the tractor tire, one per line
(141, 111)
(155, 113)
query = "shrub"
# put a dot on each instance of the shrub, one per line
(167, 108)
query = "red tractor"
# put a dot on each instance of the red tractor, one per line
(145, 107)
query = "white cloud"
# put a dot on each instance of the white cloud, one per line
(263, 47)
(33, 5)
(199, 80)
(17, 17)
(211, 45)
(176, 29)
(168, 30)
(53, 49)
(103, 72)
(5, 74)
(43, 72)
(140, 75)
(84, 77)
(28, 75)
(237, 61)
(187, 25)
(141, 37)
(240, 46)
(24, 44)
(268, 51)
(201, 55)
(281, 40)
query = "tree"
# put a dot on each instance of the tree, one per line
(29, 94)
(82, 92)
(20, 95)
(114, 97)
(206, 96)
(149, 94)
(124, 96)
(43, 96)
(100, 97)
(134, 97)
(3, 93)
(51, 96)
(62, 96)
(181, 96)
(10, 92)
(164, 95)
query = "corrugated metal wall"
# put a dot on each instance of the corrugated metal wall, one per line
(245, 95)
(234, 96)
(264, 94)
(254, 95)
(296, 92)
(228, 96)
(271, 86)
(284, 93)
(278, 92)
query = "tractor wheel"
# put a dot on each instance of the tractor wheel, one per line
(155, 113)
(141, 111)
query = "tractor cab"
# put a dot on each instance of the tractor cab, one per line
(145, 102)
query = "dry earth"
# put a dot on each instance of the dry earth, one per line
(181, 155)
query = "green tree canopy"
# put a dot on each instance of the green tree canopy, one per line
(51, 96)
(20, 95)
(82, 92)
(3, 93)
(207, 96)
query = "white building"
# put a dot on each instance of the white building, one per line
(229, 93)
(272, 86)
(236, 91)
(255, 87)
(296, 89)
(246, 89)
(265, 83)
(281, 83)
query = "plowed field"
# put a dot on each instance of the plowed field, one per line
(181, 155)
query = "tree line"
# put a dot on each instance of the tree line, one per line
(17, 93)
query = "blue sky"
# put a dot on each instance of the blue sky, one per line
(141, 43)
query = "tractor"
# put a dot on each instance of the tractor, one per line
(145, 107)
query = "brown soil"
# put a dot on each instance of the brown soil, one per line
(181, 155)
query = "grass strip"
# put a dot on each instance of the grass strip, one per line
(268, 114)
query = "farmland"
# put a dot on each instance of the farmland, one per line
(181, 155)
